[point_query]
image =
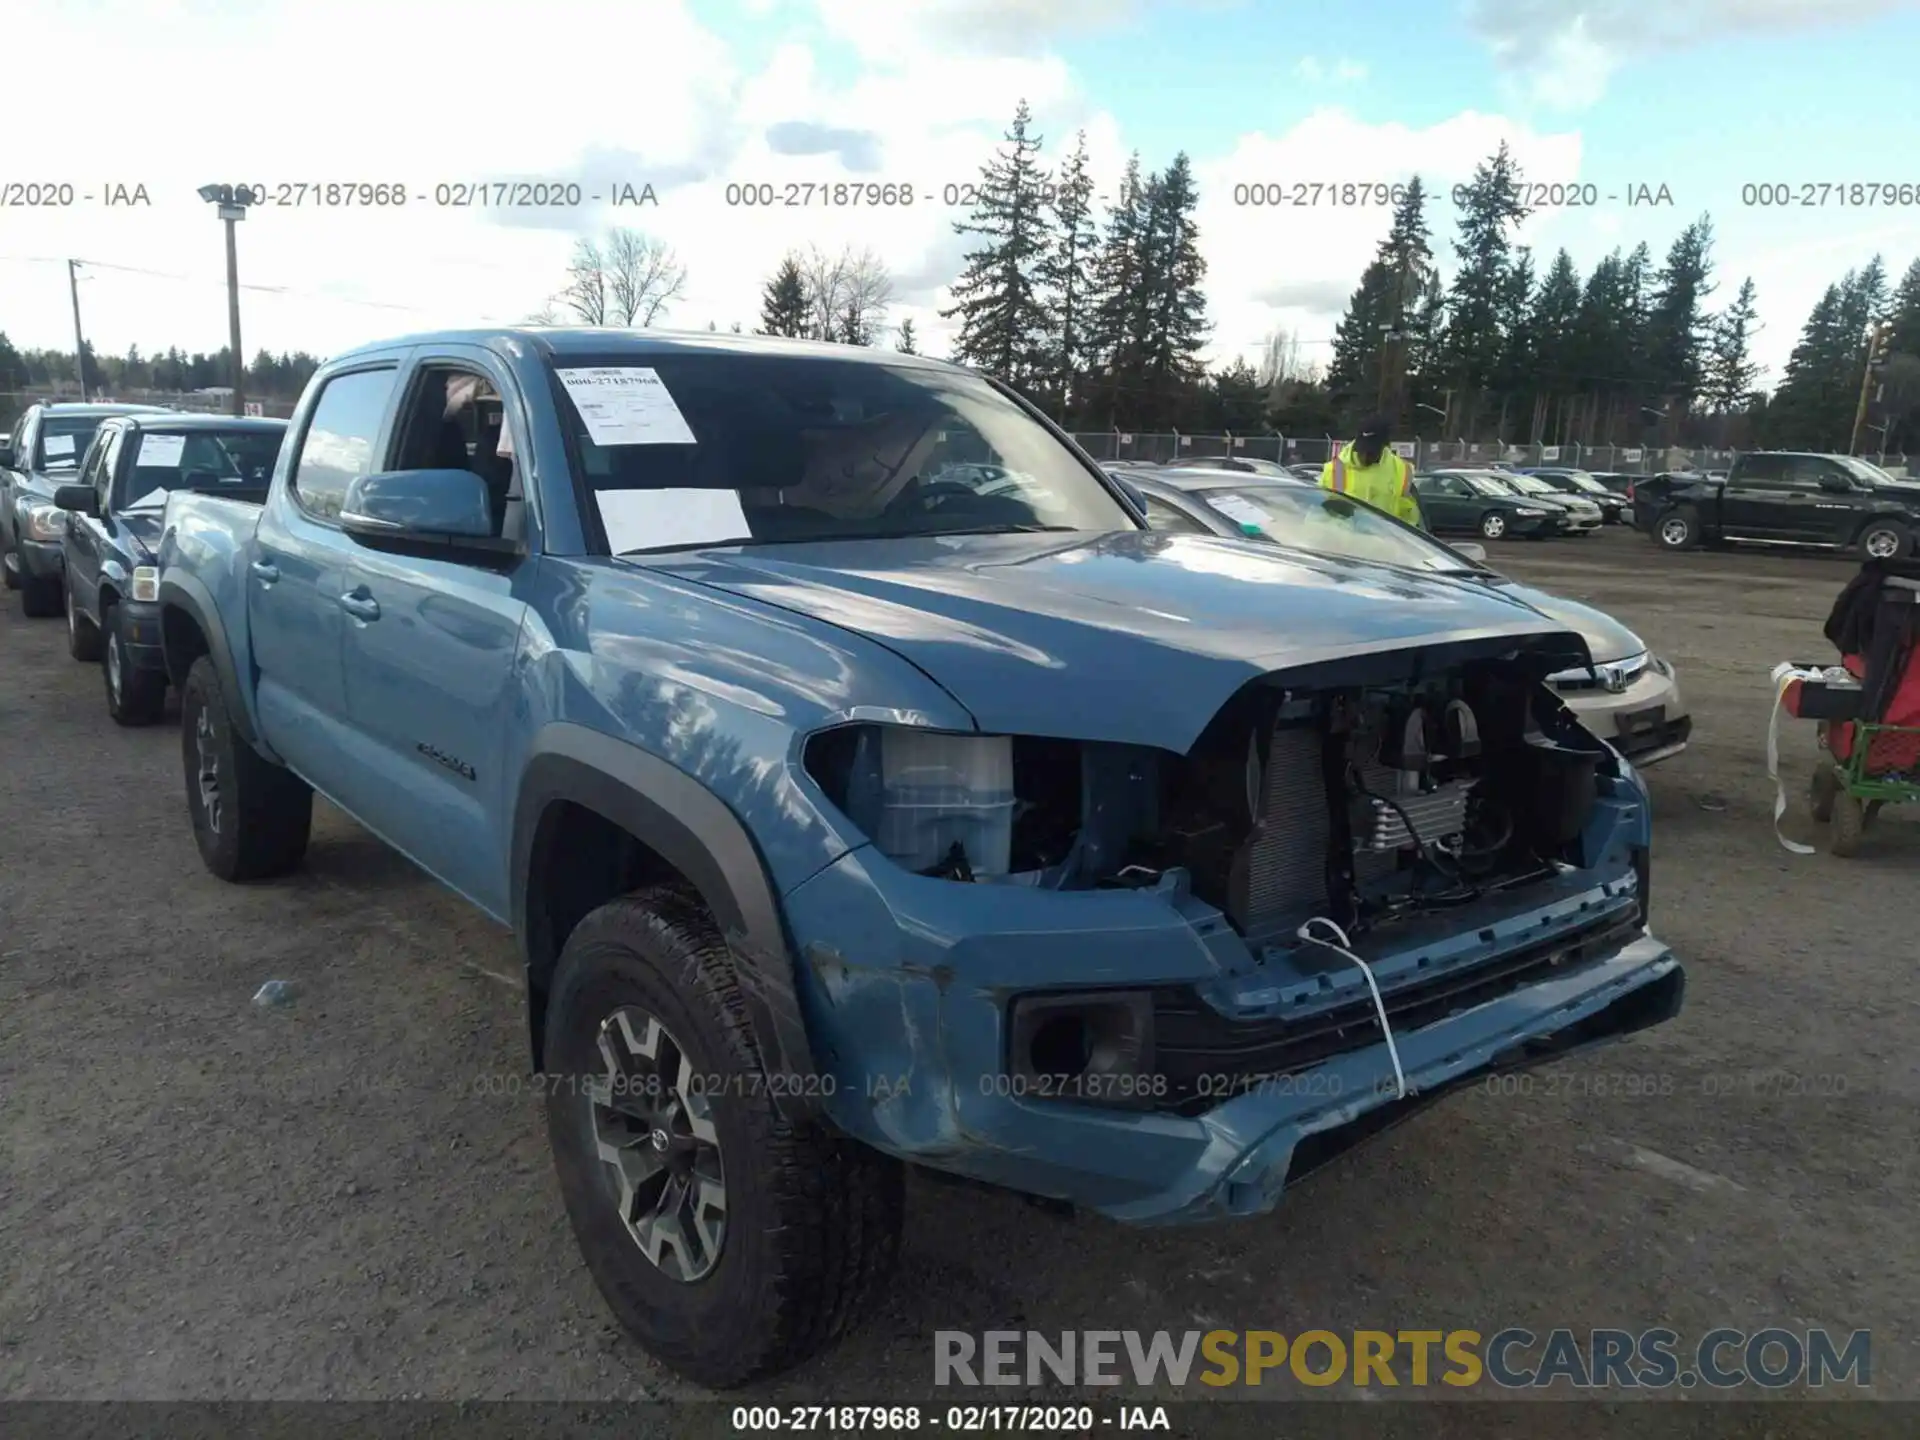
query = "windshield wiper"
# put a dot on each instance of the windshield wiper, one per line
(993, 530)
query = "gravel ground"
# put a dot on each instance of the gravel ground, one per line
(350, 1197)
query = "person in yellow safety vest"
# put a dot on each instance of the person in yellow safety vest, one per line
(1371, 473)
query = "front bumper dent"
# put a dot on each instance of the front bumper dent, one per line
(906, 983)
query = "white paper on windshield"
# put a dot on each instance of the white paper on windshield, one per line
(161, 452)
(645, 519)
(57, 445)
(626, 405)
(1244, 511)
(152, 500)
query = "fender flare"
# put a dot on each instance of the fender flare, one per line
(694, 831)
(187, 594)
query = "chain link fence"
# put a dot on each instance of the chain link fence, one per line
(1118, 445)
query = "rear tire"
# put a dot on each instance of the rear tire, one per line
(1677, 530)
(83, 636)
(40, 597)
(1821, 789)
(134, 697)
(1848, 825)
(799, 1227)
(251, 818)
(1884, 540)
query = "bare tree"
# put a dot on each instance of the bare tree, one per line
(847, 295)
(644, 277)
(1280, 359)
(586, 292)
(545, 315)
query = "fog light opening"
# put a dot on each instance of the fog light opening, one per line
(1061, 1045)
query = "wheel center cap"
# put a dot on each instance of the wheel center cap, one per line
(660, 1140)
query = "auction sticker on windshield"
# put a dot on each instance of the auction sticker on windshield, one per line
(625, 405)
(58, 445)
(161, 452)
(1245, 511)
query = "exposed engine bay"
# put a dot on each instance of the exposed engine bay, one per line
(1360, 803)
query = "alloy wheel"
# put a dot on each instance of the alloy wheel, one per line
(1883, 545)
(208, 778)
(653, 1128)
(1674, 532)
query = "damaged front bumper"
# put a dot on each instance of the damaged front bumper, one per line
(1258, 1067)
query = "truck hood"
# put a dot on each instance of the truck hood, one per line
(1133, 637)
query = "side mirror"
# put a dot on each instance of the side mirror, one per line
(6, 452)
(1836, 484)
(79, 498)
(415, 507)
(1470, 551)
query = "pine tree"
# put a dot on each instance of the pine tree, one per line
(907, 341)
(1904, 313)
(1514, 377)
(1490, 209)
(1806, 410)
(1117, 325)
(1677, 326)
(784, 309)
(1352, 372)
(1176, 307)
(1063, 273)
(1731, 376)
(1396, 293)
(1003, 323)
(1555, 326)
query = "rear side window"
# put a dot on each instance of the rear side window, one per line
(337, 448)
(1759, 467)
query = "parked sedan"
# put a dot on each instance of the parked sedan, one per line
(1583, 515)
(1628, 695)
(1588, 487)
(115, 508)
(1478, 502)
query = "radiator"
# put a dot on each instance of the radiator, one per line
(1286, 876)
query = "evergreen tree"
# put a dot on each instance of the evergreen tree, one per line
(1490, 209)
(1117, 323)
(1004, 326)
(784, 308)
(1555, 327)
(1239, 401)
(1352, 372)
(907, 341)
(1514, 377)
(1811, 410)
(1904, 313)
(1677, 324)
(1730, 374)
(1063, 273)
(1397, 292)
(1174, 269)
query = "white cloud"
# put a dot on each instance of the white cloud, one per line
(1562, 53)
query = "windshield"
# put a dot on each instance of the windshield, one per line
(1865, 470)
(1484, 484)
(199, 460)
(696, 449)
(1318, 520)
(1582, 480)
(64, 439)
(1529, 484)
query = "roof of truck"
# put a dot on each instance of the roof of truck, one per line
(178, 420)
(88, 409)
(562, 341)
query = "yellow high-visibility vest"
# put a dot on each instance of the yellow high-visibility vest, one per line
(1385, 485)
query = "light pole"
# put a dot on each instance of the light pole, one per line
(232, 201)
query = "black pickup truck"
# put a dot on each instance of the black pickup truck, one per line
(1779, 497)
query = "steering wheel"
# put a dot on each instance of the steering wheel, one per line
(928, 495)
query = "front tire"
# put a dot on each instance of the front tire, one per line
(134, 696)
(83, 636)
(1884, 540)
(1848, 825)
(251, 818)
(730, 1241)
(1678, 530)
(1493, 526)
(1821, 790)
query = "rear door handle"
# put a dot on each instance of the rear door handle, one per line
(360, 605)
(266, 572)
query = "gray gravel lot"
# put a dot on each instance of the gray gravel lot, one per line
(351, 1198)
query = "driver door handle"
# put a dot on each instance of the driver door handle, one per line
(360, 605)
(266, 572)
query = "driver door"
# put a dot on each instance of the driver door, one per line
(1443, 502)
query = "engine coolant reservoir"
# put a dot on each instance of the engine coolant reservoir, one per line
(939, 789)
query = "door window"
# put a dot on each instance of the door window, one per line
(454, 420)
(337, 448)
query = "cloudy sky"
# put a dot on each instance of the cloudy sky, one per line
(1705, 98)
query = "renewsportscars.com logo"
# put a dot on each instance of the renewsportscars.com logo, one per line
(1513, 1359)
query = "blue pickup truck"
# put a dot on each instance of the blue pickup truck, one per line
(853, 811)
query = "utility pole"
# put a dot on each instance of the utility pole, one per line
(1393, 353)
(1876, 357)
(79, 343)
(233, 309)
